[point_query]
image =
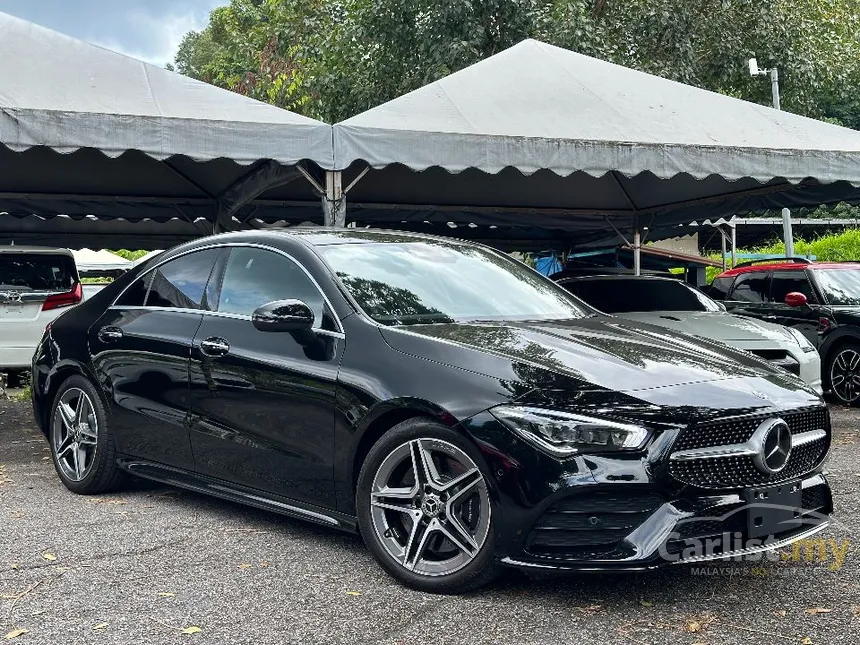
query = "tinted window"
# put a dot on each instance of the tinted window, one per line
(840, 286)
(255, 277)
(400, 283)
(37, 272)
(750, 288)
(785, 282)
(620, 296)
(180, 283)
(719, 288)
(135, 295)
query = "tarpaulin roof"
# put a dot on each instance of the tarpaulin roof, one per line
(84, 130)
(541, 136)
(88, 260)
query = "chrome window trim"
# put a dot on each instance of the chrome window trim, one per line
(335, 334)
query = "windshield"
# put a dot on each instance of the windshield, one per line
(840, 286)
(36, 272)
(626, 296)
(424, 282)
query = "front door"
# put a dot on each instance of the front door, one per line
(804, 319)
(263, 403)
(141, 349)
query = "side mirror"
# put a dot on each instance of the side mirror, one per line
(795, 299)
(283, 316)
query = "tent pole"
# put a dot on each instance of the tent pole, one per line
(734, 244)
(723, 244)
(334, 199)
(637, 250)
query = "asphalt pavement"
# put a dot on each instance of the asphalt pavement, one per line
(155, 565)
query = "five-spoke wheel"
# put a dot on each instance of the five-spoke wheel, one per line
(425, 508)
(75, 433)
(81, 441)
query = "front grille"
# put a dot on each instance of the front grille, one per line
(740, 429)
(738, 472)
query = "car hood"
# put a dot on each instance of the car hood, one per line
(597, 352)
(716, 325)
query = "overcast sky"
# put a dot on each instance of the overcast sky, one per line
(146, 29)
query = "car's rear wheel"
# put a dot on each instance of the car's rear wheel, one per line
(82, 446)
(425, 510)
(843, 374)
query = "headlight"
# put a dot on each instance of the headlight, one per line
(563, 434)
(802, 340)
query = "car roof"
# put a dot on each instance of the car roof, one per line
(320, 236)
(788, 266)
(35, 249)
(616, 277)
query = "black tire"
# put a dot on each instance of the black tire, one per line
(104, 474)
(844, 361)
(477, 572)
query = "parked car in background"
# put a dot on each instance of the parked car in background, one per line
(819, 299)
(36, 286)
(461, 411)
(675, 305)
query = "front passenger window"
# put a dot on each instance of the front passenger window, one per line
(255, 277)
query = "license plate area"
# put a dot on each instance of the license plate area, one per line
(773, 509)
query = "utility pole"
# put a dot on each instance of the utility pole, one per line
(787, 234)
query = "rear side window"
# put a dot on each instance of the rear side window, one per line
(784, 282)
(180, 283)
(719, 288)
(37, 272)
(750, 287)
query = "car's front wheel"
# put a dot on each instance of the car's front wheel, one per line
(425, 510)
(82, 446)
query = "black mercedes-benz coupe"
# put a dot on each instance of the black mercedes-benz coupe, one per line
(460, 410)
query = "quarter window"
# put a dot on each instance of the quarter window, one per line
(180, 283)
(254, 277)
(750, 288)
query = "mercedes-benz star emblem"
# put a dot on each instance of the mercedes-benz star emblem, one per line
(773, 437)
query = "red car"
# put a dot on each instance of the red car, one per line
(819, 299)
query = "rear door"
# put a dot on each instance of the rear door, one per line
(35, 288)
(141, 349)
(749, 295)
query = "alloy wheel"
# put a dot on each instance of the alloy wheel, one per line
(845, 375)
(430, 507)
(75, 434)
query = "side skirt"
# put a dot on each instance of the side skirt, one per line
(240, 494)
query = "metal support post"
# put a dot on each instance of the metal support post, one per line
(637, 250)
(787, 234)
(334, 200)
(734, 244)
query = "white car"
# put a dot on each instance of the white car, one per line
(36, 286)
(675, 305)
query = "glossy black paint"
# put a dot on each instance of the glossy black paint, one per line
(283, 419)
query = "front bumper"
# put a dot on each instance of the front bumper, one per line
(639, 511)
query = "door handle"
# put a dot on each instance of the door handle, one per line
(108, 334)
(214, 347)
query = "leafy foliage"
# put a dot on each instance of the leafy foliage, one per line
(331, 59)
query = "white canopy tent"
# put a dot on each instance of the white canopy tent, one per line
(538, 136)
(85, 131)
(89, 261)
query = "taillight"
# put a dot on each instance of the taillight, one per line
(58, 300)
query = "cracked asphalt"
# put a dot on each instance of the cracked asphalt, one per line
(156, 565)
